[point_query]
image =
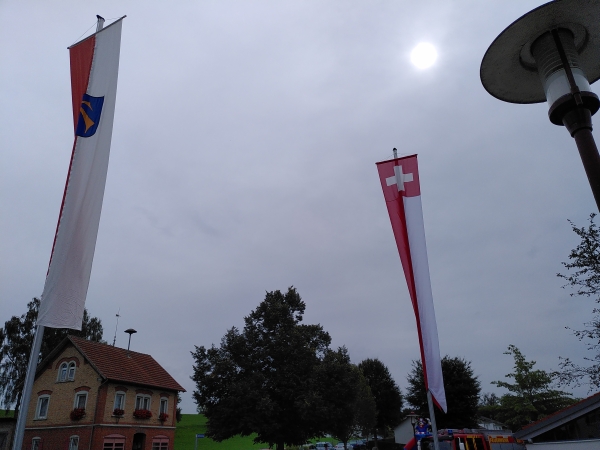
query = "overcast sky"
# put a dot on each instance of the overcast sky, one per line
(243, 161)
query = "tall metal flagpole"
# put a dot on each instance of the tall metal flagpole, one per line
(28, 387)
(436, 444)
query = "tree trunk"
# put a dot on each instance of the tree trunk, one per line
(375, 436)
(280, 445)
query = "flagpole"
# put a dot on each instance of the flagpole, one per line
(28, 387)
(436, 444)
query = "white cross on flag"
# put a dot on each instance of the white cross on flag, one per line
(401, 189)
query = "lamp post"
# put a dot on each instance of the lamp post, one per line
(413, 421)
(552, 54)
(129, 331)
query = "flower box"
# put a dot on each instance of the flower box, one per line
(77, 414)
(142, 414)
(163, 416)
(118, 412)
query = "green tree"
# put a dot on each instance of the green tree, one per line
(16, 339)
(462, 393)
(489, 405)
(387, 395)
(260, 380)
(365, 408)
(584, 278)
(530, 397)
(346, 404)
(178, 410)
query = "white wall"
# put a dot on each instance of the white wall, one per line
(591, 444)
(403, 432)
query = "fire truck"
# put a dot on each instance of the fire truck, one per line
(469, 439)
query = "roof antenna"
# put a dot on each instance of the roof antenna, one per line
(129, 331)
(395, 153)
(100, 24)
(115, 338)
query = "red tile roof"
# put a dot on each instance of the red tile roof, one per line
(119, 364)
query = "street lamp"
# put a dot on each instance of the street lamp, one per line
(129, 331)
(413, 420)
(552, 54)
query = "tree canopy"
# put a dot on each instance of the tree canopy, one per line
(489, 406)
(584, 278)
(16, 339)
(347, 406)
(385, 391)
(462, 393)
(531, 396)
(261, 379)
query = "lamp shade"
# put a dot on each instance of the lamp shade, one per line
(509, 70)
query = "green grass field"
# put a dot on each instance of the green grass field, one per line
(192, 424)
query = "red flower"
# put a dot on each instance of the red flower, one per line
(118, 412)
(163, 416)
(142, 414)
(77, 414)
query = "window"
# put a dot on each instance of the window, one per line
(71, 374)
(36, 443)
(62, 372)
(120, 400)
(114, 442)
(66, 371)
(73, 442)
(41, 411)
(80, 400)
(164, 406)
(142, 402)
(160, 443)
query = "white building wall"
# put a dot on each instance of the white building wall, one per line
(591, 444)
(403, 432)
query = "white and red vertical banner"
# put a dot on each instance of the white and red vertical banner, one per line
(400, 182)
(94, 72)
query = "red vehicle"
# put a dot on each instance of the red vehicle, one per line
(468, 439)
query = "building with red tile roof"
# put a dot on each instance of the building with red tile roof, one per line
(93, 396)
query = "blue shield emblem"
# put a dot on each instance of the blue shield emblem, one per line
(89, 115)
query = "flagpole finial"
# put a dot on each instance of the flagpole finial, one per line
(395, 153)
(100, 24)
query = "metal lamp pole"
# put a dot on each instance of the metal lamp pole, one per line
(552, 54)
(129, 331)
(413, 421)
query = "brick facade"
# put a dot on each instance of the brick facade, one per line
(99, 428)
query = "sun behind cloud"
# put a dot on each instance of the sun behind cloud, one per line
(423, 55)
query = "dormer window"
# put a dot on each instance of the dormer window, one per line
(66, 371)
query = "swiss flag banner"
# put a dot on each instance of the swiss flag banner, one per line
(400, 183)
